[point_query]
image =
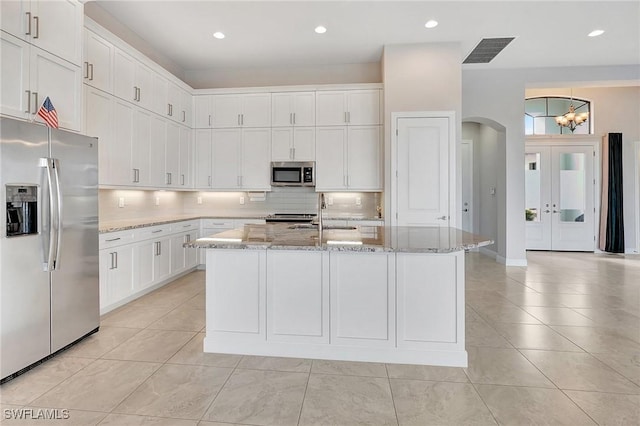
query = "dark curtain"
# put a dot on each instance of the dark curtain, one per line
(615, 220)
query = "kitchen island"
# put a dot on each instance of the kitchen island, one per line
(380, 294)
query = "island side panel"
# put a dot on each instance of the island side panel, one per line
(235, 295)
(430, 291)
(362, 299)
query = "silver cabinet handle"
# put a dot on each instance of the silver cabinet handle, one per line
(348, 180)
(35, 104)
(91, 66)
(294, 153)
(209, 180)
(465, 210)
(139, 94)
(290, 153)
(56, 167)
(111, 255)
(184, 116)
(134, 176)
(441, 218)
(86, 72)
(28, 23)
(242, 119)
(294, 118)
(547, 211)
(345, 117)
(348, 116)
(209, 119)
(238, 119)
(156, 232)
(290, 118)
(135, 93)
(187, 226)
(168, 179)
(112, 239)
(159, 248)
(28, 101)
(188, 238)
(344, 180)
(181, 179)
(116, 258)
(37, 20)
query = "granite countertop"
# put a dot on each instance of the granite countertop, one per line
(287, 236)
(126, 224)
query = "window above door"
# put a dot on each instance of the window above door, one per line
(540, 115)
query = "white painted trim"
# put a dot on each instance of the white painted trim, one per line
(395, 116)
(471, 195)
(637, 203)
(488, 252)
(297, 88)
(511, 262)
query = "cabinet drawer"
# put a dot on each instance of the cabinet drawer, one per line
(241, 222)
(218, 223)
(185, 226)
(158, 231)
(114, 239)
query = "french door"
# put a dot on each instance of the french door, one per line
(560, 197)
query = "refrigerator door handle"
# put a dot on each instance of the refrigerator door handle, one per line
(49, 217)
(58, 228)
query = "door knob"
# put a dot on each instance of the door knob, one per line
(547, 211)
(465, 210)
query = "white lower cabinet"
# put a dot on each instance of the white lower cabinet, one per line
(134, 262)
(297, 296)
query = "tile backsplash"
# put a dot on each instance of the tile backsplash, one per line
(139, 204)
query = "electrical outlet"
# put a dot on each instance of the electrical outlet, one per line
(157, 201)
(241, 200)
(330, 201)
(121, 202)
(358, 201)
(199, 200)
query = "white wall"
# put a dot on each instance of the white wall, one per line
(614, 110)
(284, 75)
(420, 77)
(498, 95)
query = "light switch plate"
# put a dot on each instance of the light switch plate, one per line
(157, 201)
(358, 201)
(241, 200)
(121, 202)
(330, 201)
(199, 200)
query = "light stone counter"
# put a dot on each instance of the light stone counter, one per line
(287, 236)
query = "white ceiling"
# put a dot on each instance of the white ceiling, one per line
(276, 34)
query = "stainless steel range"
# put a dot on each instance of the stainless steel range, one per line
(291, 217)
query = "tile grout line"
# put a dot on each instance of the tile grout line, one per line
(393, 399)
(304, 395)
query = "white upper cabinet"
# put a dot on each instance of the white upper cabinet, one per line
(250, 110)
(157, 154)
(133, 81)
(289, 144)
(256, 168)
(203, 114)
(54, 26)
(186, 158)
(98, 119)
(185, 112)
(348, 108)
(172, 156)
(349, 158)
(98, 62)
(293, 109)
(172, 110)
(226, 172)
(160, 94)
(202, 150)
(14, 94)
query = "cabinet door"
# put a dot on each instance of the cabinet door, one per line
(304, 109)
(226, 158)
(14, 19)
(282, 144)
(186, 158)
(157, 154)
(58, 29)
(143, 264)
(203, 158)
(203, 112)
(105, 259)
(62, 83)
(98, 62)
(173, 103)
(191, 254)
(364, 158)
(116, 279)
(304, 144)
(119, 152)
(99, 123)
(297, 296)
(331, 158)
(124, 76)
(226, 111)
(256, 110)
(16, 99)
(331, 108)
(363, 107)
(144, 82)
(186, 108)
(160, 94)
(162, 260)
(141, 147)
(256, 148)
(172, 155)
(281, 109)
(178, 253)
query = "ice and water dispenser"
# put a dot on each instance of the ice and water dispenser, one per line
(22, 210)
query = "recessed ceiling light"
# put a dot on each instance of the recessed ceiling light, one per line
(218, 35)
(596, 33)
(431, 23)
(320, 29)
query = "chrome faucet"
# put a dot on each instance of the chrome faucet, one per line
(321, 206)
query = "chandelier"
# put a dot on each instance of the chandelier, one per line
(571, 119)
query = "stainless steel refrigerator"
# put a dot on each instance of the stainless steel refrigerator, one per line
(49, 283)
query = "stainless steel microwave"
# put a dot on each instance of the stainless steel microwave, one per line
(293, 173)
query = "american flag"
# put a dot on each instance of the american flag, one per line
(48, 113)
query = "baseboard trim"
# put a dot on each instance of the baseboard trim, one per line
(630, 250)
(511, 262)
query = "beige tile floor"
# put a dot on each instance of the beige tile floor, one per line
(557, 342)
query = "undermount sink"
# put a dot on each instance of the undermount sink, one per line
(326, 227)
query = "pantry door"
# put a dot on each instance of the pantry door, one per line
(560, 197)
(422, 175)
